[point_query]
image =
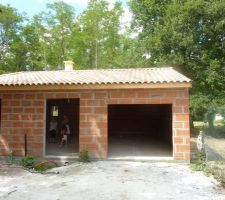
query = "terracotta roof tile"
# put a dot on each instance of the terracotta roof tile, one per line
(99, 76)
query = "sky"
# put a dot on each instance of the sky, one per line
(32, 7)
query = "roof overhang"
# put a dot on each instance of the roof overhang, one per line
(96, 86)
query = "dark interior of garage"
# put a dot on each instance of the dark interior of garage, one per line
(57, 109)
(140, 130)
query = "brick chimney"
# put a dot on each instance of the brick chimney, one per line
(68, 65)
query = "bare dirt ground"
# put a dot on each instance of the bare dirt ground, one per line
(109, 180)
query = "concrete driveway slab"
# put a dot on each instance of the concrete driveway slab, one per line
(111, 180)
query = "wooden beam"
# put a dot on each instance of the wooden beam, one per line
(96, 86)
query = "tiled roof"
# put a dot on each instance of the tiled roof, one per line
(99, 76)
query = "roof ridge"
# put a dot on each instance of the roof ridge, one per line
(12, 73)
(77, 70)
(126, 69)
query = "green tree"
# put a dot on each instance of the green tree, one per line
(11, 45)
(34, 58)
(189, 35)
(92, 39)
(54, 29)
(97, 31)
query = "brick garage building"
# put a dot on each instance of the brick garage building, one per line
(151, 104)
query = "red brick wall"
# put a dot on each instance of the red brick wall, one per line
(24, 113)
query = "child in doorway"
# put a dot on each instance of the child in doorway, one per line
(65, 131)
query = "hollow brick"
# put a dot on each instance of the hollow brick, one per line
(17, 110)
(180, 132)
(182, 148)
(86, 139)
(7, 96)
(187, 156)
(61, 96)
(49, 95)
(86, 110)
(182, 102)
(29, 110)
(39, 96)
(143, 94)
(178, 125)
(30, 96)
(101, 95)
(39, 110)
(101, 139)
(182, 117)
(86, 95)
(179, 156)
(178, 140)
(125, 101)
(15, 103)
(38, 103)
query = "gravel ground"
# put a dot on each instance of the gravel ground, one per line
(109, 180)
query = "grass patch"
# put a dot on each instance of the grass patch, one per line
(43, 168)
(10, 158)
(216, 169)
(199, 124)
(202, 124)
(84, 156)
(217, 132)
(198, 164)
(29, 162)
(219, 123)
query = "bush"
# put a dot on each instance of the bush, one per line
(43, 168)
(218, 132)
(198, 164)
(217, 169)
(10, 159)
(28, 162)
(45, 165)
(84, 156)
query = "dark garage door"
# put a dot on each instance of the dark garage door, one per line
(140, 130)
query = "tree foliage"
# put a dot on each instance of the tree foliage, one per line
(91, 39)
(97, 31)
(190, 35)
(11, 45)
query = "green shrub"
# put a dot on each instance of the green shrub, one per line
(43, 168)
(28, 162)
(10, 159)
(45, 165)
(84, 156)
(217, 132)
(217, 169)
(198, 164)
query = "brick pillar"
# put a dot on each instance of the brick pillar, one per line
(93, 124)
(181, 127)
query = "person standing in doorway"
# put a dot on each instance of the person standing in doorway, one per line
(53, 126)
(65, 131)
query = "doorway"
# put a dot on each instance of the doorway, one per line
(140, 130)
(56, 109)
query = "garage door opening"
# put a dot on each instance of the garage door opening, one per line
(140, 131)
(57, 109)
